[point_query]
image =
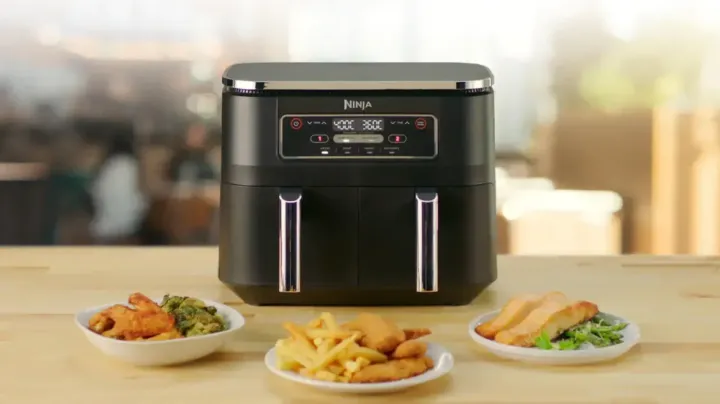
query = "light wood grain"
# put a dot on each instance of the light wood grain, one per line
(45, 359)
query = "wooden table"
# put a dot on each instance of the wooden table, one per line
(45, 359)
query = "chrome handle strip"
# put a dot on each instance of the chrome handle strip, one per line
(426, 205)
(289, 275)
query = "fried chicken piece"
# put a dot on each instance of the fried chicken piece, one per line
(552, 317)
(101, 322)
(397, 369)
(514, 312)
(378, 334)
(144, 303)
(410, 349)
(415, 333)
(131, 324)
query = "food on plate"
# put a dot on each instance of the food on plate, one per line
(410, 349)
(145, 320)
(393, 370)
(553, 322)
(377, 333)
(369, 349)
(192, 316)
(552, 318)
(415, 333)
(515, 311)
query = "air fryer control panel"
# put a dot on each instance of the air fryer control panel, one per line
(360, 136)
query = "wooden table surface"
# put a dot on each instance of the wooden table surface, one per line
(44, 358)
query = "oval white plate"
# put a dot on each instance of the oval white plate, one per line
(584, 355)
(162, 353)
(442, 358)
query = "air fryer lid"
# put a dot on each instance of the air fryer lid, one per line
(357, 76)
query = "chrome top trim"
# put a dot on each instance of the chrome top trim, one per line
(357, 76)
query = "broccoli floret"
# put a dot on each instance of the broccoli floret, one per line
(171, 303)
(192, 316)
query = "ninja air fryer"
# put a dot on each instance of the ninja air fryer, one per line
(357, 183)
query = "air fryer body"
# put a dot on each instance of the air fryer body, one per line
(356, 195)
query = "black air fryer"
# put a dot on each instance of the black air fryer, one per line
(357, 183)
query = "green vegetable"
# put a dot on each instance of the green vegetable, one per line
(598, 332)
(543, 341)
(192, 316)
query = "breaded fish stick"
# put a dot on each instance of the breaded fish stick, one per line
(514, 312)
(553, 318)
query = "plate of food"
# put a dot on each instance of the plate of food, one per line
(161, 332)
(369, 354)
(552, 329)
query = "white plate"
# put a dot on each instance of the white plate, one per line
(584, 355)
(443, 359)
(162, 353)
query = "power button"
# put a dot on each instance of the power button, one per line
(296, 123)
(420, 123)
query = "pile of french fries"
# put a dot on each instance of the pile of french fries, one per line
(323, 350)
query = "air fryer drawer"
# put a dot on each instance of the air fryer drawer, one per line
(251, 233)
(389, 246)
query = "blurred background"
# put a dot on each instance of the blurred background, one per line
(608, 137)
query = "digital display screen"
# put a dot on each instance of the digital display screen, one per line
(369, 124)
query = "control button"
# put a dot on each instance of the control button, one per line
(345, 150)
(397, 139)
(319, 138)
(296, 123)
(390, 151)
(420, 123)
(325, 151)
(369, 151)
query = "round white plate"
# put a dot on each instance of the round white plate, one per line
(443, 359)
(584, 355)
(162, 353)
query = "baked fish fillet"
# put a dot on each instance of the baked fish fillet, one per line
(552, 317)
(514, 312)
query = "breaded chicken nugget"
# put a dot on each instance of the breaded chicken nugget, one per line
(378, 334)
(410, 349)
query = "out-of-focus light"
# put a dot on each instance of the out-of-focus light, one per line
(708, 14)
(202, 71)
(148, 51)
(49, 36)
(211, 48)
(205, 105)
(622, 17)
(523, 202)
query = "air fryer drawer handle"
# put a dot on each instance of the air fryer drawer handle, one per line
(289, 276)
(426, 204)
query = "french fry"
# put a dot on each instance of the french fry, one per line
(331, 356)
(362, 362)
(313, 333)
(370, 354)
(325, 346)
(298, 334)
(325, 375)
(336, 369)
(315, 323)
(291, 352)
(329, 321)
